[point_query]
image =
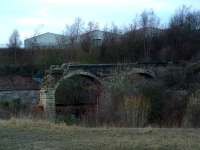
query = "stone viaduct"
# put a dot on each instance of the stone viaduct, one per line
(98, 73)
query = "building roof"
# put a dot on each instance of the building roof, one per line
(47, 33)
(89, 32)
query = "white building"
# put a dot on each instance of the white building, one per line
(96, 37)
(51, 40)
(46, 40)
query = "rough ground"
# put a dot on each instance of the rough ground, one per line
(30, 135)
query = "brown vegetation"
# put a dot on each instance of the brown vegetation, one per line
(30, 134)
(133, 101)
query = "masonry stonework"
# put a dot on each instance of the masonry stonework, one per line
(98, 73)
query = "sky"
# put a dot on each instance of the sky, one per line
(29, 16)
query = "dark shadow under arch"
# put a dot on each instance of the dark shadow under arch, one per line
(143, 72)
(79, 101)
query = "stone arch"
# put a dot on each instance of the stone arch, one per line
(48, 96)
(193, 68)
(78, 73)
(192, 73)
(143, 72)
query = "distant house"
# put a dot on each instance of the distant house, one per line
(95, 37)
(51, 40)
(46, 40)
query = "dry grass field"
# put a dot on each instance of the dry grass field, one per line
(39, 135)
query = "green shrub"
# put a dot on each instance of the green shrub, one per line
(192, 116)
(155, 93)
(4, 104)
(14, 106)
(127, 105)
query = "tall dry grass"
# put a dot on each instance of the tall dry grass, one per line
(27, 123)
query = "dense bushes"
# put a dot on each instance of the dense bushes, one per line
(132, 103)
(169, 101)
(192, 116)
(142, 102)
(154, 92)
(137, 101)
(13, 107)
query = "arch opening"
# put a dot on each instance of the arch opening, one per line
(138, 77)
(77, 98)
(146, 75)
(192, 73)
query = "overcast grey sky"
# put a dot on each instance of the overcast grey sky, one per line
(53, 15)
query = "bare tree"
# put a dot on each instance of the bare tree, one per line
(148, 22)
(14, 44)
(111, 44)
(14, 40)
(86, 39)
(74, 30)
(62, 41)
(92, 26)
(33, 44)
(130, 41)
(148, 19)
(183, 35)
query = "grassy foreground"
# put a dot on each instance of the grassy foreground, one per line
(30, 135)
